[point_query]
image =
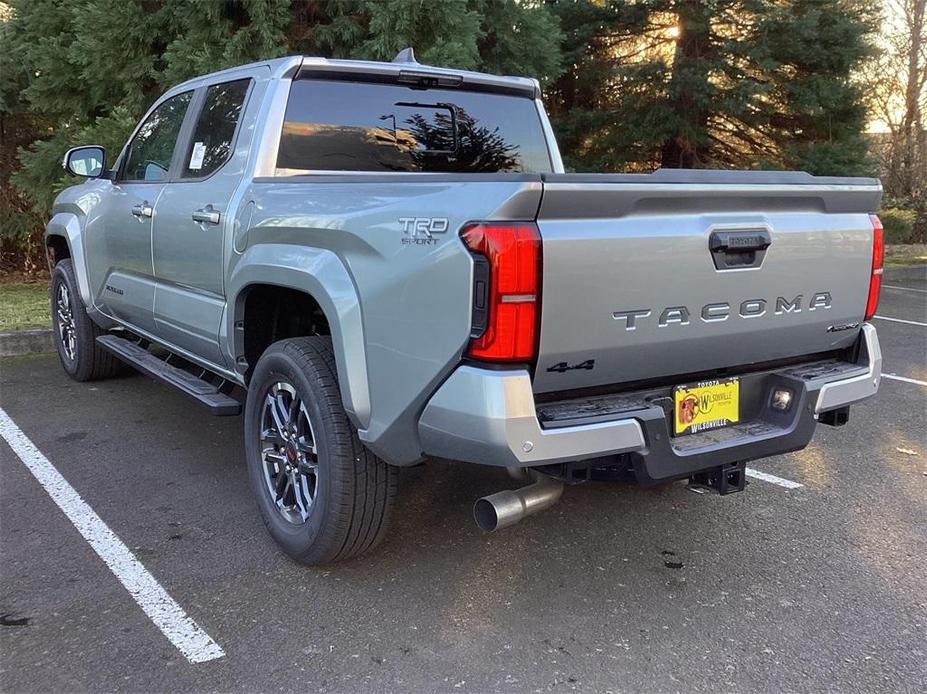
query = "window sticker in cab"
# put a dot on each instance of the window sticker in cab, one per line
(196, 157)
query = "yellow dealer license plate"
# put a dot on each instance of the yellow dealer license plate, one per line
(706, 405)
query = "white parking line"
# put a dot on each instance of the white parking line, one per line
(196, 645)
(899, 320)
(895, 377)
(904, 289)
(766, 477)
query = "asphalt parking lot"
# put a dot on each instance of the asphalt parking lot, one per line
(822, 587)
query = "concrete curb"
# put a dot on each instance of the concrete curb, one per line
(900, 273)
(26, 342)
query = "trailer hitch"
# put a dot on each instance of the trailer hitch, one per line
(725, 479)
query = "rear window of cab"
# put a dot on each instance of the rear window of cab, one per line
(372, 127)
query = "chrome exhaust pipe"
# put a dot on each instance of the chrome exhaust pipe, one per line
(509, 506)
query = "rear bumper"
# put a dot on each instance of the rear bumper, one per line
(846, 391)
(490, 417)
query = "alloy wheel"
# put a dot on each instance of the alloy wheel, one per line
(67, 331)
(289, 453)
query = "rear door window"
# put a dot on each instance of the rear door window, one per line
(356, 126)
(214, 134)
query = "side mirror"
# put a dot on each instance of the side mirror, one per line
(87, 162)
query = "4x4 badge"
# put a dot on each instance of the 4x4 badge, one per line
(563, 367)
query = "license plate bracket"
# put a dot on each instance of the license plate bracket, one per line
(706, 405)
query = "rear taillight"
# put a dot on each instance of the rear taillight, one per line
(507, 271)
(878, 259)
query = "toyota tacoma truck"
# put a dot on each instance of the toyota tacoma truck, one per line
(378, 263)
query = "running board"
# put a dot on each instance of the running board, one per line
(204, 392)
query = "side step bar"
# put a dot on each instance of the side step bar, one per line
(202, 391)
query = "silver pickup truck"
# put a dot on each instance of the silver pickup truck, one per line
(385, 262)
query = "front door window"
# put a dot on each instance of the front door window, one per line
(152, 148)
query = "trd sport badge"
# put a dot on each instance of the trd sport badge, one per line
(420, 231)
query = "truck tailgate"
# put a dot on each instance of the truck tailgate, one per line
(649, 276)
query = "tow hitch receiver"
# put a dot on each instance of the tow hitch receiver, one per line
(726, 479)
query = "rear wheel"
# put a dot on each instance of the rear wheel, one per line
(322, 495)
(75, 335)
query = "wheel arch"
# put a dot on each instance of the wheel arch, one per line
(321, 277)
(56, 249)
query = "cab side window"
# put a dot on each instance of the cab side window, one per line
(211, 144)
(150, 153)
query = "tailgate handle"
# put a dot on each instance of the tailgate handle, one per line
(738, 249)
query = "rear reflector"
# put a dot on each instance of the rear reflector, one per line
(878, 260)
(506, 289)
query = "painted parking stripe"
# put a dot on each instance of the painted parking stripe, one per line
(905, 379)
(196, 645)
(904, 289)
(899, 320)
(766, 477)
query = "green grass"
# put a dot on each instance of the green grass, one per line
(906, 254)
(913, 260)
(23, 306)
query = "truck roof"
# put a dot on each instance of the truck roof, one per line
(404, 66)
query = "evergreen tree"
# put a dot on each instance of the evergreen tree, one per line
(442, 33)
(519, 39)
(602, 106)
(630, 84)
(206, 35)
(79, 72)
(713, 83)
(818, 113)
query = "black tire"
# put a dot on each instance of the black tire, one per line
(353, 490)
(81, 356)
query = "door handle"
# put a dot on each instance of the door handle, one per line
(142, 210)
(206, 215)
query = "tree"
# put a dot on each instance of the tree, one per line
(897, 82)
(604, 106)
(720, 83)
(60, 63)
(76, 72)
(818, 111)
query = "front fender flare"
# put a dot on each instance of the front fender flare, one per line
(322, 275)
(67, 226)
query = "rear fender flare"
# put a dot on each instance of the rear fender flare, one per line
(322, 275)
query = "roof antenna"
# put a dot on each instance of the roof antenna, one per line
(406, 55)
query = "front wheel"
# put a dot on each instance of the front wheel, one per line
(322, 495)
(74, 333)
